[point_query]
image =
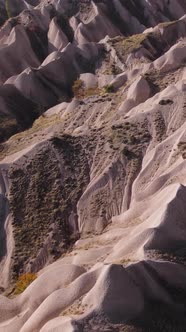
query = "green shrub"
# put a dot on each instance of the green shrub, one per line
(109, 88)
(7, 6)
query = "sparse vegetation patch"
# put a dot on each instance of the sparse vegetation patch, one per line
(81, 92)
(23, 282)
(51, 183)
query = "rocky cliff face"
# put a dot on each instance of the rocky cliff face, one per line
(92, 165)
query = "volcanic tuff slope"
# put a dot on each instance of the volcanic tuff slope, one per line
(92, 165)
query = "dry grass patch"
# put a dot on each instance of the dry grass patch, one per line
(21, 140)
(125, 46)
(41, 123)
(23, 282)
(81, 92)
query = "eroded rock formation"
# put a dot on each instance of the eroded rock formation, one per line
(92, 165)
